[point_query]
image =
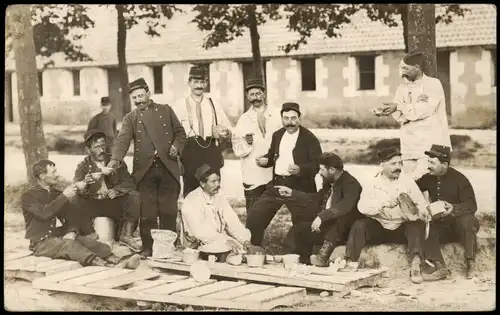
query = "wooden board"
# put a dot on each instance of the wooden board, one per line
(145, 285)
(23, 265)
(276, 274)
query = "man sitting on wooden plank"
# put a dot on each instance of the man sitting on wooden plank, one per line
(336, 207)
(43, 205)
(209, 218)
(107, 192)
(396, 211)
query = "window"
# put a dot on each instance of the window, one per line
(207, 69)
(494, 65)
(76, 82)
(40, 83)
(308, 73)
(158, 79)
(366, 68)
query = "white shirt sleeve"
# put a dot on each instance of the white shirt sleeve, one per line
(240, 147)
(234, 226)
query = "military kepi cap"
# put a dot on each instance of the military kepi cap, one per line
(414, 58)
(290, 106)
(105, 100)
(203, 172)
(439, 151)
(254, 83)
(137, 84)
(91, 133)
(385, 154)
(197, 72)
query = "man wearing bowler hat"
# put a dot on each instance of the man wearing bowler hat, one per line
(387, 220)
(106, 122)
(457, 222)
(419, 106)
(205, 124)
(158, 142)
(294, 157)
(252, 138)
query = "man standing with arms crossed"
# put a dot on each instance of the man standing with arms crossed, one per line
(205, 124)
(252, 138)
(419, 107)
(158, 141)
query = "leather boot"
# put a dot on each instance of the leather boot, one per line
(145, 253)
(98, 261)
(415, 272)
(131, 262)
(471, 269)
(322, 258)
(440, 272)
(126, 237)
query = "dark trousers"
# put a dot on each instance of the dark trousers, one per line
(264, 210)
(159, 192)
(370, 232)
(452, 229)
(335, 231)
(82, 249)
(252, 195)
(194, 156)
(126, 207)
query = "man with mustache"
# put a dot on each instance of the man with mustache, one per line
(208, 217)
(419, 106)
(43, 205)
(457, 222)
(158, 142)
(251, 139)
(294, 158)
(104, 192)
(205, 124)
(387, 221)
(336, 208)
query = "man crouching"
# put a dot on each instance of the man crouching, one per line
(104, 192)
(43, 205)
(209, 218)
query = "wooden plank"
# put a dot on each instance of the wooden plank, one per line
(19, 264)
(238, 292)
(50, 265)
(119, 281)
(272, 294)
(220, 286)
(66, 275)
(69, 265)
(154, 283)
(277, 276)
(150, 297)
(177, 286)
(105, 274)
(17, 255)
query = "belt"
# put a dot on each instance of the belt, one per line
(281, 177)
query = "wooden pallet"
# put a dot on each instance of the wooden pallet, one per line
(276, 274)
(150, 286)
(23, 265)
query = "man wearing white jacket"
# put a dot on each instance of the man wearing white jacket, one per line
(252, 138)
(420, 108)
(388, 220)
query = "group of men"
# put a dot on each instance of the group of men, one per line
(280, 159)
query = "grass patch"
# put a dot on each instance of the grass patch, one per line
(476, 117)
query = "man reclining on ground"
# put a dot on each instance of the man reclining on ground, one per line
(104, 192)
(42, 205)
(396, 211)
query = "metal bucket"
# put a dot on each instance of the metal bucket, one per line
(105, 229)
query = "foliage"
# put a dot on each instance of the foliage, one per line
(152, 14)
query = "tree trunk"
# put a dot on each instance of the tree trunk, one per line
(258, 66)
(404, 20)
(122, 58)
(422, 34)
(30, 112)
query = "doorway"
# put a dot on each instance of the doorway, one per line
(114, 92)
(443, 69)
(247, 68)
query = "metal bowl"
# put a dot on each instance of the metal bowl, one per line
(256, 260)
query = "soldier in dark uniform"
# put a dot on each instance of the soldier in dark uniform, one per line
(106, 122)
(206, 125)
(158, 141)
(108, 193)
(43, 205)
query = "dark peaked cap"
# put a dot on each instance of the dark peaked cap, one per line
(137, 84)
(439, 151)
(414, 58)
(254, 83)
(197, 72)
(91, 133)
(385, 154)
(203, 172)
